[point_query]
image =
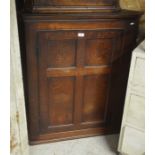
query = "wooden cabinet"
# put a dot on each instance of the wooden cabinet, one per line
(46, 6)
(76, 67)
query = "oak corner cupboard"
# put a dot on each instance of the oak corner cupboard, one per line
(76, 59)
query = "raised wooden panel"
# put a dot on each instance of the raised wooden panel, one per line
(61, 53)
(95, 98)
(61, 101)
(98, 51)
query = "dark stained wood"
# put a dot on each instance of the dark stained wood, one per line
(61, 101)
(76, 84)
(72, 71)
(95, 97)
(74, 2)
(123, 14)
(98, 51)
(46, 6)
(63, 63)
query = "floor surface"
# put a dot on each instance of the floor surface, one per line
(99, 145)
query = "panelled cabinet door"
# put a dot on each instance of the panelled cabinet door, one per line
(74, 69)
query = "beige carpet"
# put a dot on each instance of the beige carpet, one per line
(99, 145)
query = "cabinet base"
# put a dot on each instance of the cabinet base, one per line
(55, 137)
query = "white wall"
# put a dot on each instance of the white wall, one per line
(19, 138)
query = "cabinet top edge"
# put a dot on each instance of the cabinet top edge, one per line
(75, 16)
